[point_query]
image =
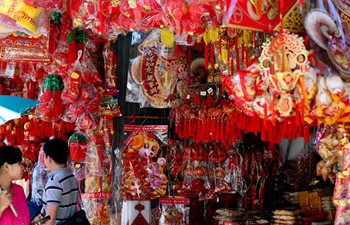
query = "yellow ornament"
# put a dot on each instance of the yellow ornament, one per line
(167, 37)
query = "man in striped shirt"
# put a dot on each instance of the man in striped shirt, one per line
(60, 199)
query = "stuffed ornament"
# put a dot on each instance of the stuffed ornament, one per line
(78, 147)
(52, 106)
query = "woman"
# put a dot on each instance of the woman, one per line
(13, 204)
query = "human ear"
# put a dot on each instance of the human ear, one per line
(6, 166)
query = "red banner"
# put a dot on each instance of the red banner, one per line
(256, 15)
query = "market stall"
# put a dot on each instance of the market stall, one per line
(185, 112)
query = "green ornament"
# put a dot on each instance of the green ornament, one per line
(78, 137)
(53, 82)
(56, 18)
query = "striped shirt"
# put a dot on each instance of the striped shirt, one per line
(61, 190)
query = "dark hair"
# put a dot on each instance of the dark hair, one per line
(57, 149)
(10, 155)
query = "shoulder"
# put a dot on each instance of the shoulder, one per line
(17, 188)
(61, 175)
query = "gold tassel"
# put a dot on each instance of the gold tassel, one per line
(167, 37)
(166, 79)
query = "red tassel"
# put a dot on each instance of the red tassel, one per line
(301, 3)
(237, 53)
(281, 15)
(228, 50)
(232, 66)
(100, 16)
(246, 56)
(189, 39)
(260, 7)
(212, 56)
(242, 52)
(220, 47)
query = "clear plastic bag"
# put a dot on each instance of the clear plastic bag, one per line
(93, 159)
(86, 122)
(73, 111)
(133, 92)
(85, 15)
(110, 64)
(174, 211)
(72, 90)
(90, 74)
(196, 181)
(46, 4)
(178, 9)
(156, 71)
(39, 179)
(33, 21)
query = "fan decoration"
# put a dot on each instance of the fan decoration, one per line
(273, 88)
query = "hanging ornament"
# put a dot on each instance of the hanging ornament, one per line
(167, 37)
(77, 143)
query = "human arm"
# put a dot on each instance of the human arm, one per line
(53, 193)
(51, 211)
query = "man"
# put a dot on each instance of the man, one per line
(60, 200)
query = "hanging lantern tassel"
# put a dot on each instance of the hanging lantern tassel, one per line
(220, 51)
(206, 42)
(242, 50)
(206, 55)
(212, 55)
(229, 53)
(237, 53)
(232, 65)
(214, 39)
(189, 38)
(260, 7)
(224, 56)
(281, 15)
(166, 79)
(101, 18)
(167, 37)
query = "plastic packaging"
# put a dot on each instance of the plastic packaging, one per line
(156, 71)
(174, 211)
(46, 4)
(143, 170)
(32, 22)
(39, 179)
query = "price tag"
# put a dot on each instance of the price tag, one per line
(203, 93)
(210, 90)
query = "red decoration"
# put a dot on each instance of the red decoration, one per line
(246, 15)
